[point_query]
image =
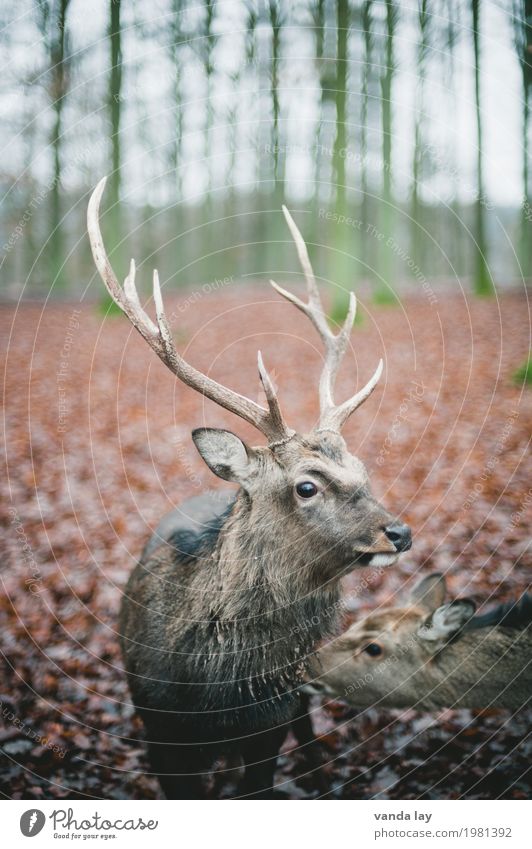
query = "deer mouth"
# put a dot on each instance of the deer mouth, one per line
(379, 559)
(383, 560)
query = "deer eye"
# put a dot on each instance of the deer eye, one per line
(373, 649)
(306, 489)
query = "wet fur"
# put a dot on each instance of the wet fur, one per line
(210, 657)
(222, 615)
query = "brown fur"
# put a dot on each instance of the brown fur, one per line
(210, 614)
(432, 656)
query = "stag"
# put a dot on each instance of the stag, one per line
(427, 654)
(208, 615)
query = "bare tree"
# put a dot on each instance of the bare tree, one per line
(453, 26)
(318, 21)
(341, 242)
(276, 23)
(52, 23)
(177, 38)
(482, 280)
(208, 43)
(383, 292)
(417, 159)
(522, 22)
(367, 60)
(115, 111)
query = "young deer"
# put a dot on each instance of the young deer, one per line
(207, 615)
(428, 655)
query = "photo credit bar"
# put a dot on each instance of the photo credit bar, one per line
(442, 823)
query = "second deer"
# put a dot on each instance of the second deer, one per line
(427, 655)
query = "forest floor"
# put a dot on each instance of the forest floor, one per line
(98, 448)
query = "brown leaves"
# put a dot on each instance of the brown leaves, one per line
(77, 506)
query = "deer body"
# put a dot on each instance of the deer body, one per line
(484, 668)
(429, 655)
(236, 668)
(209, 614)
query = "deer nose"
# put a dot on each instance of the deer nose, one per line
(400, 535)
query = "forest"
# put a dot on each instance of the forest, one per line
(401, 130)
(397, 134)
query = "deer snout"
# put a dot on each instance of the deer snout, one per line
(399, 535)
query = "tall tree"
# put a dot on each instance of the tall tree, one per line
(452, 30)
(175, 47)
(207, 44)
(383, 292)
(318, 15)
(522, 21)
(115, 111)
(423, 17)
(343, 264)
(367, 61)
(52, 22)
(482, 279)
(276, 23)
(318, 22)
(339, 150)
(175, 51)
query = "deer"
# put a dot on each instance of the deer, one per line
(427, 654)
(208, 612)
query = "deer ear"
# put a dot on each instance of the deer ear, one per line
(447, 620)
(225, 454)
(430, 592)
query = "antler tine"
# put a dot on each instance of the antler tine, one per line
(316, 312)
(336, 417)
(159, 337)
(127, 298)
(331, 416)
(271, 396)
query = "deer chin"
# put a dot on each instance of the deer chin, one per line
(380, 559)
(383, 560)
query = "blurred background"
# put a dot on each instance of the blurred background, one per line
(397, 133)
(409, 119)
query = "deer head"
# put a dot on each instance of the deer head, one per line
(389, 658)
(308, 488)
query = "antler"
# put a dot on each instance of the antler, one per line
(158, 336)
(332, 417)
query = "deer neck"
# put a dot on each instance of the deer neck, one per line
(260, 575)
(474, 671)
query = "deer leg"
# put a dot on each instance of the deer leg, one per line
(305, 737)
(301, 724)
(178, 769)
(260, 758)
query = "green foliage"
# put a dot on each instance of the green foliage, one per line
(483, 283)
(339, 306)
(523, 375)
(384, 296)
(107, 307)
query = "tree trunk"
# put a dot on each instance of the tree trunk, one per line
(366, 71)
(343, 269)
(483, 284)
(275, 23)
(115, 90)
(209, 42)
(526, 210)
(523, 42)
(59, 72)
(317, 231)
(417, 238)
(384, 292)
(175, 55)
